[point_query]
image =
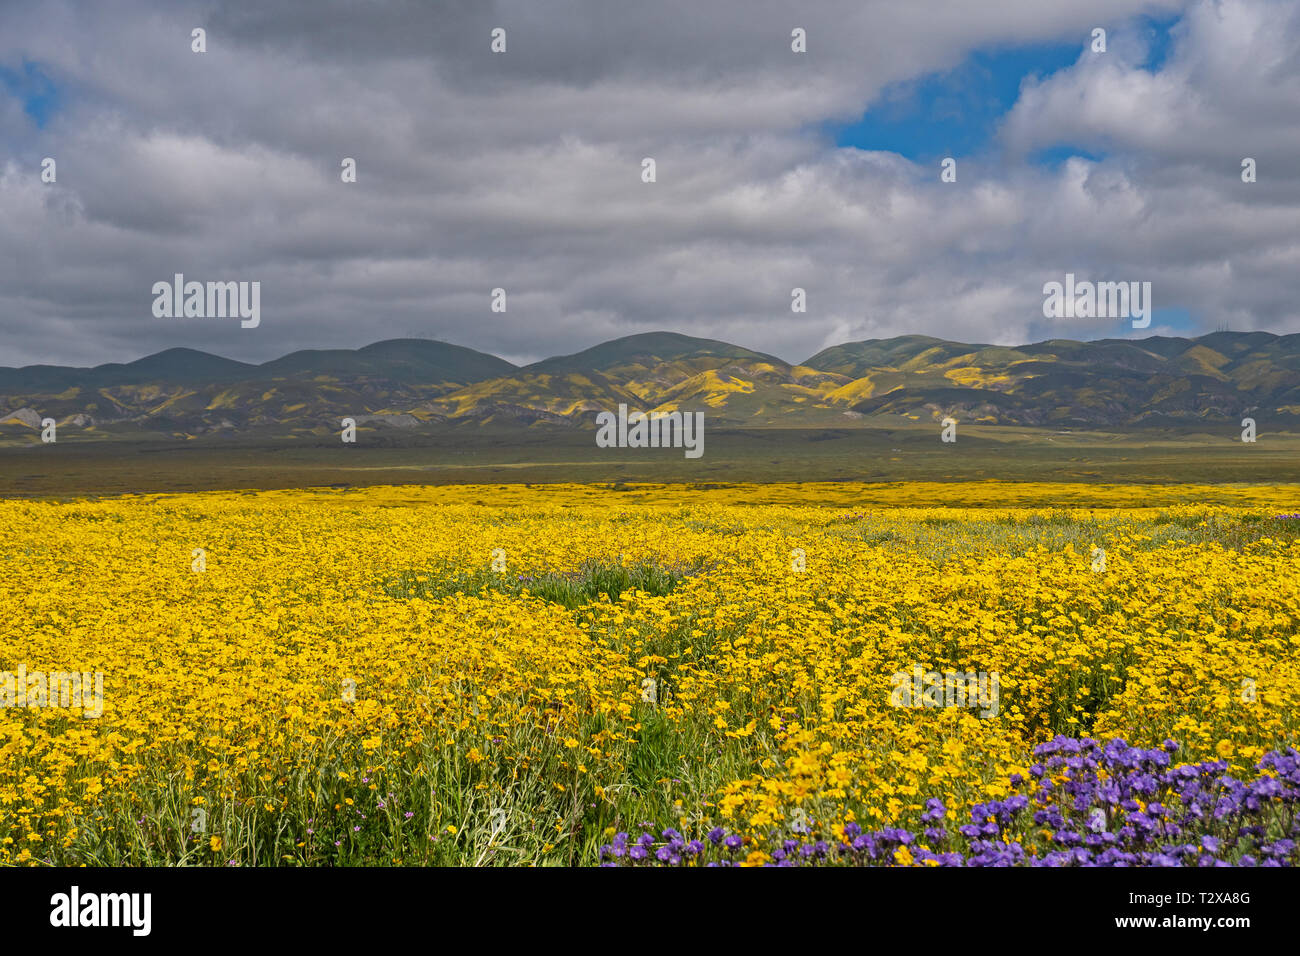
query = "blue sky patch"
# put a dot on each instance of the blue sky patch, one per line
(37, 92)
(953, 113)
(956, 113)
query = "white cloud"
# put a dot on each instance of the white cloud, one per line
(523, 171)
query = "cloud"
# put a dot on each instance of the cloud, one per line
(523, 171)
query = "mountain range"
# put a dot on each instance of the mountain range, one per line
(407, 383)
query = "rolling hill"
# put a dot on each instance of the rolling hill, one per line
(406, 383)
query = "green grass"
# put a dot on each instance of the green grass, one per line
(593, 581)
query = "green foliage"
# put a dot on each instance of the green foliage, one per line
(594, 581)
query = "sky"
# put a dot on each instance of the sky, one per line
(523, 170)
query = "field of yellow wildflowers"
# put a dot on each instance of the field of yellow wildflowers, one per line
(483, 675)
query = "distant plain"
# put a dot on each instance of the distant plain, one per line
(907, 451)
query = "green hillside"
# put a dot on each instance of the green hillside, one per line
(1212, 381)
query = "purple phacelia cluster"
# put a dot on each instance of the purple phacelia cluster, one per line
(1083, 804)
